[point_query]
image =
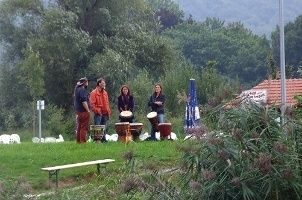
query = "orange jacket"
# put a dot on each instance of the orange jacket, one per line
(99, 102)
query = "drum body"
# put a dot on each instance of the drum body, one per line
(152, 117)
(136, 129)
(126, 116)
(123, 131)
(165, 130)
(97, 132)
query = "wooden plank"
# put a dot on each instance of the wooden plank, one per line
(78, 164)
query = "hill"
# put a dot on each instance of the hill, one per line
(258, 15)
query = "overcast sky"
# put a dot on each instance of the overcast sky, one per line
(261, 16)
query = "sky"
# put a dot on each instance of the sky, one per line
(261, 16)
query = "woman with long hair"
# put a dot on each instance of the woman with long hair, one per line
(125, 102)
(156, 102)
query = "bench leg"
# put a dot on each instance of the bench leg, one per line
(98, 167)
(51, 173)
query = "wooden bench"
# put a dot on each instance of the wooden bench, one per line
(55, 170)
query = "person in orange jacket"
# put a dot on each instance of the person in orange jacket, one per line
(99, 102)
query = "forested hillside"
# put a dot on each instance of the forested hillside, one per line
(258, 15)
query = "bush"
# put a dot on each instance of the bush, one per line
(175, 81)
(141, 88)
(250, 157)
(177, 126)
(70, 126)
(16, 118)
(54, 120)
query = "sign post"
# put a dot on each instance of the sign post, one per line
(282, 62)
(40, 106)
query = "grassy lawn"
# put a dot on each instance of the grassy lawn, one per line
(26, 159)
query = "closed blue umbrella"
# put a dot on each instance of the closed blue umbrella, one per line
(192, 116)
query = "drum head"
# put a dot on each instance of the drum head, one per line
(136, 124)
(126, 114)
(122, 123)
(164, 124)
(151, 115)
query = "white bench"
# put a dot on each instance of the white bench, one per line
(54, 170)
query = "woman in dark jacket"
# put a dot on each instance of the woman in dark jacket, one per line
(156, 102)
(125, 102)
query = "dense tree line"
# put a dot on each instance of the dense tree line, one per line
(237, 51)
(49, 45)
(293, 45)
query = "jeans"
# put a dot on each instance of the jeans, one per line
(161, 119)
(101, 120)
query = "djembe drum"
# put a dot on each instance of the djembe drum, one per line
(126, 116)
(165, 130)
(152, 117)
(97, 132)
(123, 131)
(136, 129)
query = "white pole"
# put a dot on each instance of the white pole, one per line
(40, 121)
(282, 62)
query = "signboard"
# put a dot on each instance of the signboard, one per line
(257, 96)
(40, 105)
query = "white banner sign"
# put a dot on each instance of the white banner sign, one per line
(258, 96)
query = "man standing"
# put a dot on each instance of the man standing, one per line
(100, 103)
(81, 103)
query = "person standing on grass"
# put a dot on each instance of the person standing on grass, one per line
(81, 103)
(156, 102)
(99, 100)
(125, 102)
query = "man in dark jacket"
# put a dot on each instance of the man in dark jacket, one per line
(81, 103)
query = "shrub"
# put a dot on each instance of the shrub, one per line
(250, 157)
(54, 120)
(141, 88)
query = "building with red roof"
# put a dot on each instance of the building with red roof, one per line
(273, 90)
(269, 92)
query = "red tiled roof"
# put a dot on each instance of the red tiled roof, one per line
(273, 87)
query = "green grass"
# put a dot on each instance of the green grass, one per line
(26, 159)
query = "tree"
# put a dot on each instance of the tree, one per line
(64, 49)
(237, 52)
(293, 43)
(32, 70)
(272, 71)
(18, 20)
(167, 12)
(64, 40)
